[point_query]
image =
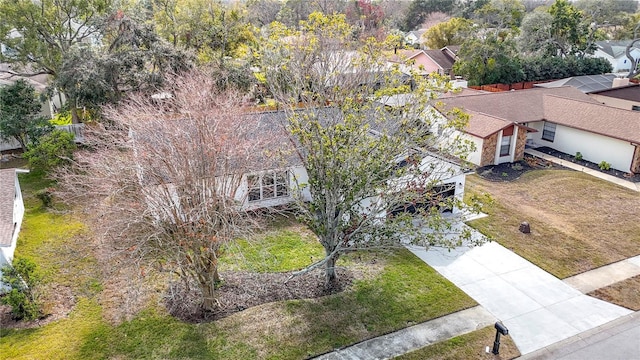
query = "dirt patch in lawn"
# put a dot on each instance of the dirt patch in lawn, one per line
(625, 293)
(578, 222)
(242, 290)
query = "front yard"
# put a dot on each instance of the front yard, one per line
(97, 318)
(578, 222)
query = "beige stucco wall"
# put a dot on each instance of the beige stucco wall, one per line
(614, 102)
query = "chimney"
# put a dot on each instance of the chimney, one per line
(618, 82)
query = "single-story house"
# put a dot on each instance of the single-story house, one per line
(11, 214)
(623, 97)
(565, 119)
(425, 61)
(282, 185)
(615, 53)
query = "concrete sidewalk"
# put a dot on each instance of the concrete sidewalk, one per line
(627, 184)
(616, 340)
(537, 308)
(605, 275)
(415, 337)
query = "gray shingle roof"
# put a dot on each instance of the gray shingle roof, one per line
(586, 83)
(614, 48)
(516, 106)
(566, 106)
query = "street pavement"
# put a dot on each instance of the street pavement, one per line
(616, 340)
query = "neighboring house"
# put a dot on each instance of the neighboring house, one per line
(11, 214)
(414, 38)
(614, 53)
(50, 106)
(623, 97)
(565, 119)
(425, 61)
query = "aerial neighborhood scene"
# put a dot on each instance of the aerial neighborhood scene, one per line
(320, 179)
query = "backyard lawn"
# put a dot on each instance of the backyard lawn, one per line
(578, 222)
(397, 290)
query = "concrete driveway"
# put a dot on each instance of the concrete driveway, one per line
(537, 308)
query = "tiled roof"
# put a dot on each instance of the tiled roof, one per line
(516, 106)
(402, 55)
(7, 196)
(565, 106)
(593, 117)
(483, 125)
(440, 58)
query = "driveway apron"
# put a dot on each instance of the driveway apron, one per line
(537, 308)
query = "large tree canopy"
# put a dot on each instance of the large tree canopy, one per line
(364, 160)
(420, 9)
(452, 32)
(39, 35)
(20, 117)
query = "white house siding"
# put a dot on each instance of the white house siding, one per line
(622, 64)
(475, 156)
(619, 64)
(7, 252)
(593, 147)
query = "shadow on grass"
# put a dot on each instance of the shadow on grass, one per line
(407, 292)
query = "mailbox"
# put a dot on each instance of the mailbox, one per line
(501, 328)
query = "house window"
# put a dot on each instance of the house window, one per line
(549, 131)
(273, 184)
(505, 145)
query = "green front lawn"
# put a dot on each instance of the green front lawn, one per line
(398, 291)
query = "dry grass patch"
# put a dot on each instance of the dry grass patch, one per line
(467, 346)
(625, 293)
(578, 222)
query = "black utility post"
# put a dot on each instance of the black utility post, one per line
(500, 329)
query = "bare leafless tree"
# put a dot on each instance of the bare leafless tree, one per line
(160, 178)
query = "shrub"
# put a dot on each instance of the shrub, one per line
(53, 150)
(517, 167)
(62, 118)
(21, 280)
(578, 156)
(46, 196)
(604, 165)
(505, 174)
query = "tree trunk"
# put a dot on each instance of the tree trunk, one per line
(75, 119)
(331, 278)
(208, 296)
